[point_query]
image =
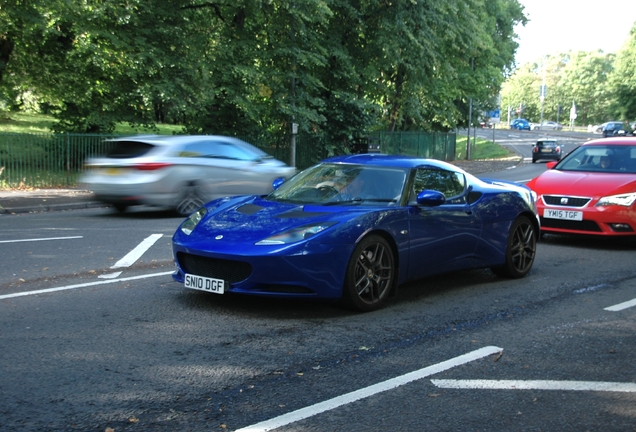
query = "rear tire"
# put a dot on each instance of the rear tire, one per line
(370, 275)
(120, 208)
(520, 251)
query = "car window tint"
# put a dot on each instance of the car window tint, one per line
(216, 149)
(128, 149)
(230, 151)
(450, 183)
(588, 158)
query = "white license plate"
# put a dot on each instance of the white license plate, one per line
(563, 214)
(204, 284)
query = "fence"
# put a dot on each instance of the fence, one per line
(56, 160)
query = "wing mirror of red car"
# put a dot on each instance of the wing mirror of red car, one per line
(551, 165)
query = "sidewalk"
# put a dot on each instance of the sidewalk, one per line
(45, 200)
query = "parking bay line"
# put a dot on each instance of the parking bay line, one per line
(621, 306)
(133, 255)
(536, 385)
(83, 285)
(338, 401)
(41, 239)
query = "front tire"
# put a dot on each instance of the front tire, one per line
(520, 251)
(370, 275)
(190, 200)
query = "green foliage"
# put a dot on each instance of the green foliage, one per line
(338, 68)
(603, 86)
(574, 77)
(482, 149)
(27, 123)
(623, 80)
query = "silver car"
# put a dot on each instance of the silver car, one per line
(180, 172)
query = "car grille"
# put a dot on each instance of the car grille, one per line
(557, 200)
(584, 225)
(228, 270)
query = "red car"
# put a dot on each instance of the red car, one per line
(590, 191)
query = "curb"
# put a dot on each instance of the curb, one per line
(52, 207)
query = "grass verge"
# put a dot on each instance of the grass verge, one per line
(17, 122)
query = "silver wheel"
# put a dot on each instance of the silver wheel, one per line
(190, 200)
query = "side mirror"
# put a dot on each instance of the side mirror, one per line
(430, 198)
(278, 182)
(551, 165)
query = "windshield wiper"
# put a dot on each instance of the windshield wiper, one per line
(360, 201)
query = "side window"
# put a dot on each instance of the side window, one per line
(199, 149)
(230, 151)
(451, 184)
(215, 149)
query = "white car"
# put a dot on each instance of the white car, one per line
(547, 125)
(180, 172)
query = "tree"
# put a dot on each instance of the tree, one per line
(336, 67)
(580, 77)
(623, 79)
(584, 80)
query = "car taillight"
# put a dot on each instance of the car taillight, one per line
(151, 166)
(558, 149)
(535, 149)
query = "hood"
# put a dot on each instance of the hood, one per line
(583, 184)
(251, 219)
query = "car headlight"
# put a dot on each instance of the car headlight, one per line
(296, 234)
(193, 220)
(621, 200)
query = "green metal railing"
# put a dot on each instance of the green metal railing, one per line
(432, 145)
(45, 160)
(56, 160)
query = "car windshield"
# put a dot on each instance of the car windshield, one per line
(334, 184)
(601, 158)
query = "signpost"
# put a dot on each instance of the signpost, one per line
(495, 119)
(572, 115)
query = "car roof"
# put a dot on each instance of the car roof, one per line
(626, 141)
(164, 140)
(385, 160)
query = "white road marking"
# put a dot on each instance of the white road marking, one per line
(338, 401)
(83, 285)
(110, 275)
(40, 239)
(132, 256)
(621, 306)
(537, 385)
(137, 252)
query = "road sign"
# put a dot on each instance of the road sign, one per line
(495, 116)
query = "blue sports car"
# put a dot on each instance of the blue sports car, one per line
(353, 228)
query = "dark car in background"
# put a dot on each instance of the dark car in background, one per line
(614, 129)
(520, 124)
(546, 149)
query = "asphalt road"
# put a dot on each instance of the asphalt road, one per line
(95, 336)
